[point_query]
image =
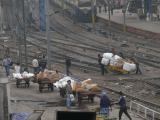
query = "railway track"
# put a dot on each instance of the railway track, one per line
(145, 57)
(68, 35)
(81, 41)
(140, 99)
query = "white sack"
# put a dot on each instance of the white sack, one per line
(116, 57)
(107, 55)
(129, 67)
(63, 82)
(105, 61)
(17, 76)
(114, 60)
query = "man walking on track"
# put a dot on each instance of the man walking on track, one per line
(123, 107)
(68, 65)
(102, 67)
(7, 63)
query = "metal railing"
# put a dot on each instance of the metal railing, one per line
(147, 111)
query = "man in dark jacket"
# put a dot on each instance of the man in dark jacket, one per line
(68, 65)
(138, 70)
(105, 103)
(43, 63)
(102, 67)
(123, 107)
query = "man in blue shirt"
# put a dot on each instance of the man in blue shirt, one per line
(105, 103)
(123, 107)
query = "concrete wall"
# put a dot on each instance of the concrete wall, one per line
(4, 112)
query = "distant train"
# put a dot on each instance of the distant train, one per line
(79, 10)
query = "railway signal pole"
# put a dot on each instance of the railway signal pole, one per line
(47, 34)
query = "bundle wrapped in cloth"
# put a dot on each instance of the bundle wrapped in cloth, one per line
(17, 76)
(105, 61)
(87, 85)
(52, 76)
(116, 61)
(23, 75)
(107, 55)
(129, 67)
(77, 86)
(63, 82)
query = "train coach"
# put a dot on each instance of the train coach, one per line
(78, 10)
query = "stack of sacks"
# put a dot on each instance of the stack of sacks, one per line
(117, 61)
(50, 75)
(84, 86)
(113, 60)
(63, 82)
(106, 58)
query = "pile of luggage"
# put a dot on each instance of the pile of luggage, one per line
(51, 76)
(86, 86)
(78, 86)
(116, 61)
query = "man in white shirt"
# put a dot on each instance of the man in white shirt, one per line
(35, 65)
(17, 68)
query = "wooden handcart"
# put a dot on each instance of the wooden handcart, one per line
(46, 80)
(88, 95)
(23, 82)
(45, 84)
(117, 69)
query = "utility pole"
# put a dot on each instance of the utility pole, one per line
(24, 34)
(93, 15)
(47, 34)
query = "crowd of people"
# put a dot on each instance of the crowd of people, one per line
(38, 64)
